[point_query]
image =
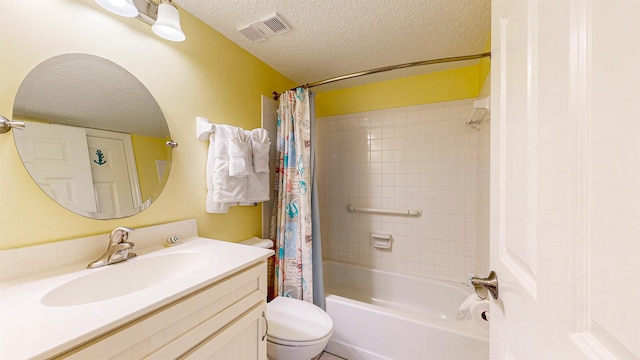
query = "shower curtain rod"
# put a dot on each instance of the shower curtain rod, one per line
(389, 68)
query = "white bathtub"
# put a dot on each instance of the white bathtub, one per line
(379, 315)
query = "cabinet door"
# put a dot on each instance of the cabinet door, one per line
(243, 339)
(180, 327)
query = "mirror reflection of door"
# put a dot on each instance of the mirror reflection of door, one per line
(57, 159)
(89, 92)
(113, 169)
(91, 172)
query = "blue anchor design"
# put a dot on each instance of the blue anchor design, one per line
(101, 160)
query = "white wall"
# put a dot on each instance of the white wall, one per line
(418, 157)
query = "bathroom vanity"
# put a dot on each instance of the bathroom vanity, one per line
(201, 299)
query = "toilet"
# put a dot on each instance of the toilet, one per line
(298, 330)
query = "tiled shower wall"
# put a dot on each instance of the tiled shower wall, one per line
(419, 157)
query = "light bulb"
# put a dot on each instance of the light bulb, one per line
(124, 8)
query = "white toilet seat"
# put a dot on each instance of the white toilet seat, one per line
(298, 343)
(295, 322)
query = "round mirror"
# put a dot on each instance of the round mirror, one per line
(95, 139)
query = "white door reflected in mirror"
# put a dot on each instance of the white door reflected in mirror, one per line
(94, 96)
(56, 157)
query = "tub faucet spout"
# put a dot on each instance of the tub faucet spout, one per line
(118, 249)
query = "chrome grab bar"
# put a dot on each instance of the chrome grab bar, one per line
(410, 212)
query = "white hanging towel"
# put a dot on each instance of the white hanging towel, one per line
(239, 151)
(226, 188)
(212, 206)
(230, 155)
(260, 145)
(259, 189)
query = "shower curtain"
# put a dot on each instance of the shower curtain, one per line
(292, 222)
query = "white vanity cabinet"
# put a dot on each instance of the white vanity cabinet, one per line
(225, 320)
(202, 299)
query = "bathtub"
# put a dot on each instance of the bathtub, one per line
(379, 315)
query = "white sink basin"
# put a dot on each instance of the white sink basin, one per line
(123, 278)
(50, 302)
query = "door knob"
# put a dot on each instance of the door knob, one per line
(482, 285)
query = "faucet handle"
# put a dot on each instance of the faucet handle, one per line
(120, 234)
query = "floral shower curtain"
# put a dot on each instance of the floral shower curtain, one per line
(291, 224)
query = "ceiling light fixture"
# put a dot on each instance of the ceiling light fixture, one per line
(162, 15)
(124, 8)
(167, 25)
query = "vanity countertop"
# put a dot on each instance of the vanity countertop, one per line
(30, 329)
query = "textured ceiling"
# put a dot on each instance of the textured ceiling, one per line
(330, 38)
(89, 91)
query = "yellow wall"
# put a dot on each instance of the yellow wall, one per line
(461, 83)
(434, 87)
(484, 67)
(206, 75)
(147, 150)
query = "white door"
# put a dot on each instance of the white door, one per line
(115, 177)
(565, 179)
(56, 157)
(270, 123)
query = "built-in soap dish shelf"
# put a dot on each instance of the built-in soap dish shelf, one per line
(381, 241)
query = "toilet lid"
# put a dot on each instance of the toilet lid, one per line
(292, 320)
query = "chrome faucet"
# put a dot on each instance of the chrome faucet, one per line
(118, 249)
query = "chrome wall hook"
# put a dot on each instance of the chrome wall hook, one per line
(6, 125)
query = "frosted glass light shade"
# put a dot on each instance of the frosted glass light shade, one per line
(167, 25)
(119, 7)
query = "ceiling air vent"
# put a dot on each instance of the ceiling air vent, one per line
(251, 33)
(265, 27)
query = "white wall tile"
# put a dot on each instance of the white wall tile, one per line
(415, 157)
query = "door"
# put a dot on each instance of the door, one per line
(56, 157)
(270, 123)
(115, 177)
(565, 179)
